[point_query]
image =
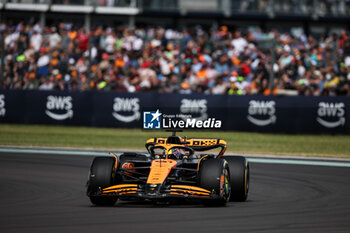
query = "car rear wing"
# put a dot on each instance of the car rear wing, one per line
(195, 144)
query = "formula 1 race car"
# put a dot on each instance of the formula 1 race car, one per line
(173, 168)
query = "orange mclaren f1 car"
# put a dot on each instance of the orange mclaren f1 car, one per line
(173, 168)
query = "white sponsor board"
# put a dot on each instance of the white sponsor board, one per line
(56, 104)
(122, 108)
(258, 110)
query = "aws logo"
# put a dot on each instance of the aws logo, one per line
(126, 109)
(59, 107)
(331, 115)
(2, 106)
(197, 107)
(262, 113)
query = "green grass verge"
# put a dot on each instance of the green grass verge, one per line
(111, 138)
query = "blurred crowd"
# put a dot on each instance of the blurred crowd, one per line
(213, 61)
(323, 7)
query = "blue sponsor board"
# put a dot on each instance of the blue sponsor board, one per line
(294, 114)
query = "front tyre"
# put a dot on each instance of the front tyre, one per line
(214, 175)
(102, 172)
(239, 176)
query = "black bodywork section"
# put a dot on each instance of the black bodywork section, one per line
(184, 173)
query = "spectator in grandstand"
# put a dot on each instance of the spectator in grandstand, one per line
(193, 60)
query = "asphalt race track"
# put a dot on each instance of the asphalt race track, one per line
(46, 193)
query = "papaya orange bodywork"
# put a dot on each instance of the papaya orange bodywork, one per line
(194, 143)
(121, 186)
(159, 170)
(190, 142)
(190, 188)
(116, 159)
(189, 192)
(119, 191)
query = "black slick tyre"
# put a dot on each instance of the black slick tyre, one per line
(239, 176)
(214, 175)
(102, 172)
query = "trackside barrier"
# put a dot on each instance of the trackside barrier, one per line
(288, 114)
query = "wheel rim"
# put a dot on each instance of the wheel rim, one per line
(225, 186)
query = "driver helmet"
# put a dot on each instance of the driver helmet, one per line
(176, 153)
(160, 156)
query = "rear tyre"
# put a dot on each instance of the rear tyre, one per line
(239, 176)
(102, 173)
(214, 175)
